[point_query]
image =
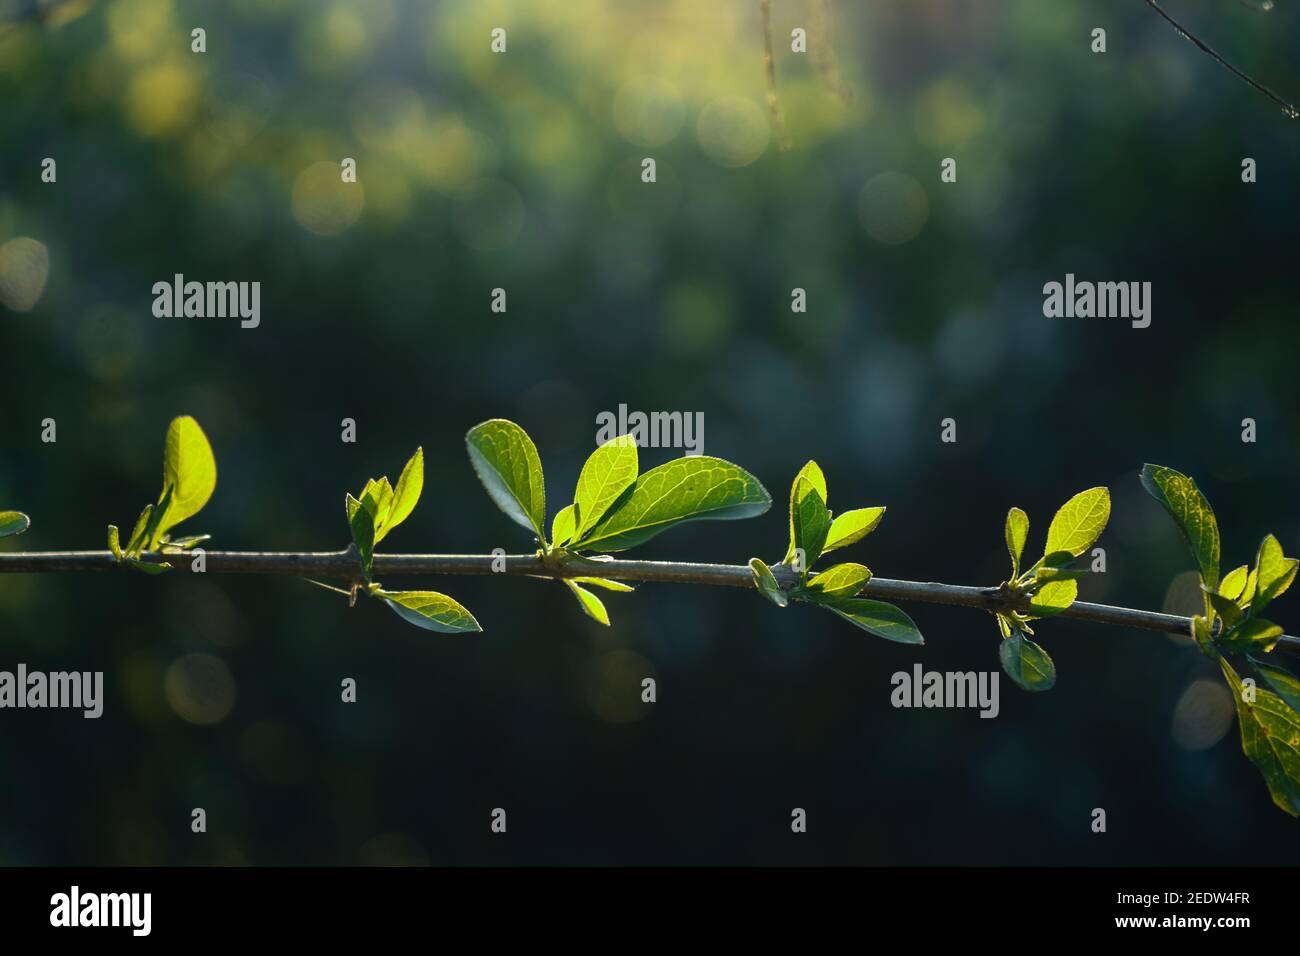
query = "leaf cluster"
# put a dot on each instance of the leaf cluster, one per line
(814, 532)
(1232, 625)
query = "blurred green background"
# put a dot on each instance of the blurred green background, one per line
(521, 171)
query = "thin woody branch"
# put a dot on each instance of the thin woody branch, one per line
(343, 566)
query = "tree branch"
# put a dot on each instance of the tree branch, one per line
(343, 566)
(1201, 45)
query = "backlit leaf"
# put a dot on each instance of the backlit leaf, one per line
(506, 461)
(878, 618)
(1079, 522)
(1026, 663)
(1179, 496)
(430, 610)
(610, 471)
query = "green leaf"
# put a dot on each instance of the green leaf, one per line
(429, 610)
(607, 583)
(1054, 597)
(377, 498)
(1252, 634)
(13, 522)
(1270, 737)
(184, 544)
(1274, 573)
(1026, 663)
(1180, 497)
(1283, 683)
(1016, 531)
(878, 618)
(1234, 583)
(610, 471)
(851, 527)
(810, 521)
(766, 583)
(113, 543)
(686, 489)
(410, 483)
(837, 583)
(148, 567)
(189, 469)
(591, 605)
(362, 525)
(1048, 572)
(137, 540)
(1079, 522)
(1226, 608)
(562, 525)
(506, 461)
(1203, 635)
(153, 527)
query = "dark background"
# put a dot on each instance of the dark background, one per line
(522, 171)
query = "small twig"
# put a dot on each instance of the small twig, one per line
(1200, 44)
(343, 566)
(769, 66)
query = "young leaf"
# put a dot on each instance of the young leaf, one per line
(135, 544)
(837, 583)
(429, 610)
(1284, 684)
(189, 469)
(563, 525)
(506, 461)
(609, 472)
(810, 521)
(153, 527)
(1234, 583)
(1270, 737)
(147, 567)
(765, 581)
(1016, 531)
(1079, 522)
(686, 489)
(377, 498)
(1225, 608)
(878, 618)
(114, 544)
(1274, 573)
(1026, 663)
(13, 522)
(852, 526)
(1179, 496)
(410, 483)
(609, 584)
(1047, 572)
(362, 524)
(1054, 597)
(1252, 634)
(591, 605)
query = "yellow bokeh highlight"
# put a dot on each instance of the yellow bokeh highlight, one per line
(161, 100)
(323, 203)
(24, 269)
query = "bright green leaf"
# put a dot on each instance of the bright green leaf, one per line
(810, 521)
(136, 542)
(1274, 573)
(114, 544)
(878, 618)
(410, 483)
(609, 584)
(1234, 583)
(591, 605)
(430, 610)
(1270, 737)
(1252, 634)
(766, 583)
(13, 522)
(148, 567)
(562, 525)
(1079, 522)
(1016, 531)
(686, 489)
(837, 583)
(1180, 497)
(610, 470)
(189, 469)
(1054, 597)
(1026, 663)
(852, 526)
(506, 461)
